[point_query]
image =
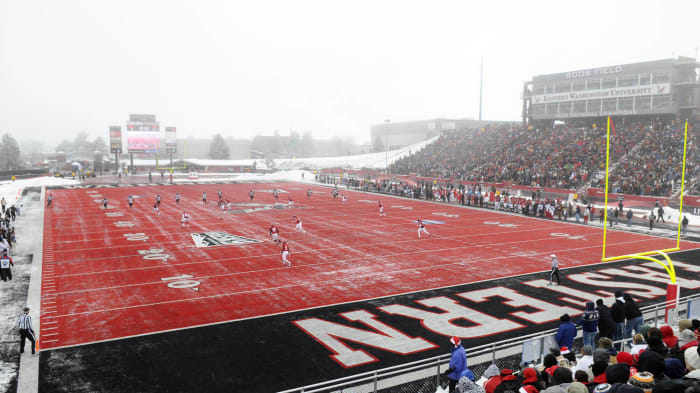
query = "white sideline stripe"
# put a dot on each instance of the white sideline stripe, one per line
(28, 374)
(50, 328)
(49, 334)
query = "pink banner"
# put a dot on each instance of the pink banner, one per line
(143, 143)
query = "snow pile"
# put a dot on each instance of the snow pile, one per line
(670, 214)
(12, 190)
(371, 160)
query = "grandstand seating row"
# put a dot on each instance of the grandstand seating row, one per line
(645, 157)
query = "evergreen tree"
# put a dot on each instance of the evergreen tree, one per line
(100, 145)
(9, 153)
(218, 150)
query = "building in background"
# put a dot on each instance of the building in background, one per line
(666, 89)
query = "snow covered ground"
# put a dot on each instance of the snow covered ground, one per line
(371, 160)
(359, 161)
(12, 190)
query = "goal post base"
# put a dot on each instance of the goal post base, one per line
(672, 288)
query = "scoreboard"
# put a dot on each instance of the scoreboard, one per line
(143, 126)
(143, 134)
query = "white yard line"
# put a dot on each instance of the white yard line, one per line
(278, 287)
(28, 375)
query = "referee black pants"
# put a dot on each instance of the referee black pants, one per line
(26, 333)
(554, 273)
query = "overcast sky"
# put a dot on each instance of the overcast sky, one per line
(247, 67)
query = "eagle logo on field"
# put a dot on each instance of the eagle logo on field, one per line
(254, 207)
(218, 238)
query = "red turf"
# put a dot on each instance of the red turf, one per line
(97, 286)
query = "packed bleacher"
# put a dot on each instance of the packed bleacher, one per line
(8, 214)
(655, 360)
(645, 158)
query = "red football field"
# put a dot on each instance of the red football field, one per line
(118, 272)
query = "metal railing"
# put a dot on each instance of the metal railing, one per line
(425, 369)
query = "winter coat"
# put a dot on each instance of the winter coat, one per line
(589, 319)
(605, 319)
(566, 334)
(458, 362)
(509, 383)
(618, 311)
(631, 308)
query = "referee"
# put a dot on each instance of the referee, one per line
(24, 323)
(555, 270)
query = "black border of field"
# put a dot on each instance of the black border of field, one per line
(270, 353)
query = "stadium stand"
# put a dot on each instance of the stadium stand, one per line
(646, 157)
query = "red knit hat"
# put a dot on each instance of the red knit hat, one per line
(529, 375)
(626, 357)
(455, 340)
(528, 389)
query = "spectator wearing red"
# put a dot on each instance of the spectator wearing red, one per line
(509, 382)
(668, 337)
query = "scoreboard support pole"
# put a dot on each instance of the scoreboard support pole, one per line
(131, 167)
(116, 161)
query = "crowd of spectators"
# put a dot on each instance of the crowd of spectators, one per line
(657, 360)
(645, 157)
(654, 160)
(8, 214)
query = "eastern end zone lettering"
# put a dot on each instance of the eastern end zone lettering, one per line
(320, 344)
(460, 314)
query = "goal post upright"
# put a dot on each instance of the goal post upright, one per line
(672, 288)
(607, 177)
(605, 258)
(680, 211)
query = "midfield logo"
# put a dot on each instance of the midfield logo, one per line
(213, 239)
(254, 207)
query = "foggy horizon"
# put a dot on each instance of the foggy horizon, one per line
(334, 69)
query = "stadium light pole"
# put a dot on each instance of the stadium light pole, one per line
(481, 84)
(386, 147)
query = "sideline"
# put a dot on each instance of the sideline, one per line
(28, 374)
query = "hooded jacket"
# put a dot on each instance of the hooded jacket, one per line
(631, 308)
(566, 334)
(605, 319)
(458, 362)
(668, 337)
(589, 318)
(618, 311)
(508, 383)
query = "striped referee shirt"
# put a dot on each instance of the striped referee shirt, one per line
(555, 263)
(25, 322)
